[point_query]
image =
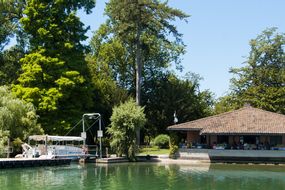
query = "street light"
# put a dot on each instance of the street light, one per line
(99, 132)
(175, 118)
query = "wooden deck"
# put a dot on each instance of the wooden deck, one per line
(31, 162)
(112, 160)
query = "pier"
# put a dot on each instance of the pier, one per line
(31, 162)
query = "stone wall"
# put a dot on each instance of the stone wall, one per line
(233, 156)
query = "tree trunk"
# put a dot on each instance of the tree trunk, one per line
(138, 73)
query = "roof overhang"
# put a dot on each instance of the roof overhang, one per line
(245, 134)
(184, 129)
(55, 138)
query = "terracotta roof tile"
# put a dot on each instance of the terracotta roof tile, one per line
(247, 120)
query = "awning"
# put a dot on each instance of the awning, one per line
(55, 138)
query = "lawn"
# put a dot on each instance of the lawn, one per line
(153, 151)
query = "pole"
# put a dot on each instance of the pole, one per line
(83, 131)
(100, 137)
(99, 134)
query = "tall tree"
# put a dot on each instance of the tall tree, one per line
(142, 36)
(54, 73)
(140, 24)
(261, 82)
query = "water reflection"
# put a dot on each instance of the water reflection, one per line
(145, 176)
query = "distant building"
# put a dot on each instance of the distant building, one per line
(245, 128)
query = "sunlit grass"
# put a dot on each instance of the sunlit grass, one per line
(153, 151)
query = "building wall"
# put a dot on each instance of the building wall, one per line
(193, 136)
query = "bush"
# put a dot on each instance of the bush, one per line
(173, 145)
(125, 120)
(173, 151)
(162, 141)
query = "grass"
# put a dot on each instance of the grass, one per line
(153, 151)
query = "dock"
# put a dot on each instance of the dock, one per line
(31, 162)
(112, 160)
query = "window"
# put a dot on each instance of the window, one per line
(275, 140)
(223, 139)
(250, 139)
(203, 139)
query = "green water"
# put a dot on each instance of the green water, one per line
(145, 176)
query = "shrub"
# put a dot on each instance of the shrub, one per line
(125, 120)
(173, 145)
(162, 141)
(173, 151)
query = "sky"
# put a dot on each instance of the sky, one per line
(217, 34)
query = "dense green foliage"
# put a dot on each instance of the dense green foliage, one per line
(131, 55)
(18, 119)
(141, 29)
(125, 120)
(162, 141)
(106, 93)
(173, 145)
(115, 48)
(6, 26)
(10, 65)
(11, 12)
(168, 94)
(54, 74)
(261, 82)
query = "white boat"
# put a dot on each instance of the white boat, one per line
(46, 146)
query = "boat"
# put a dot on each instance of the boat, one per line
(54, 147)
(70, 147)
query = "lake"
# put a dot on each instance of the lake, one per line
(145, 176)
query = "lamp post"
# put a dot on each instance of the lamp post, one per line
(83, 134)
(175, 118)
(96, 116)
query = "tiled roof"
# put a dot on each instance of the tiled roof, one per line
(247, 120)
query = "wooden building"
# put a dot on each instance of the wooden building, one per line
(248, 126)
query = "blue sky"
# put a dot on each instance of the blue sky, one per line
(217, 34)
